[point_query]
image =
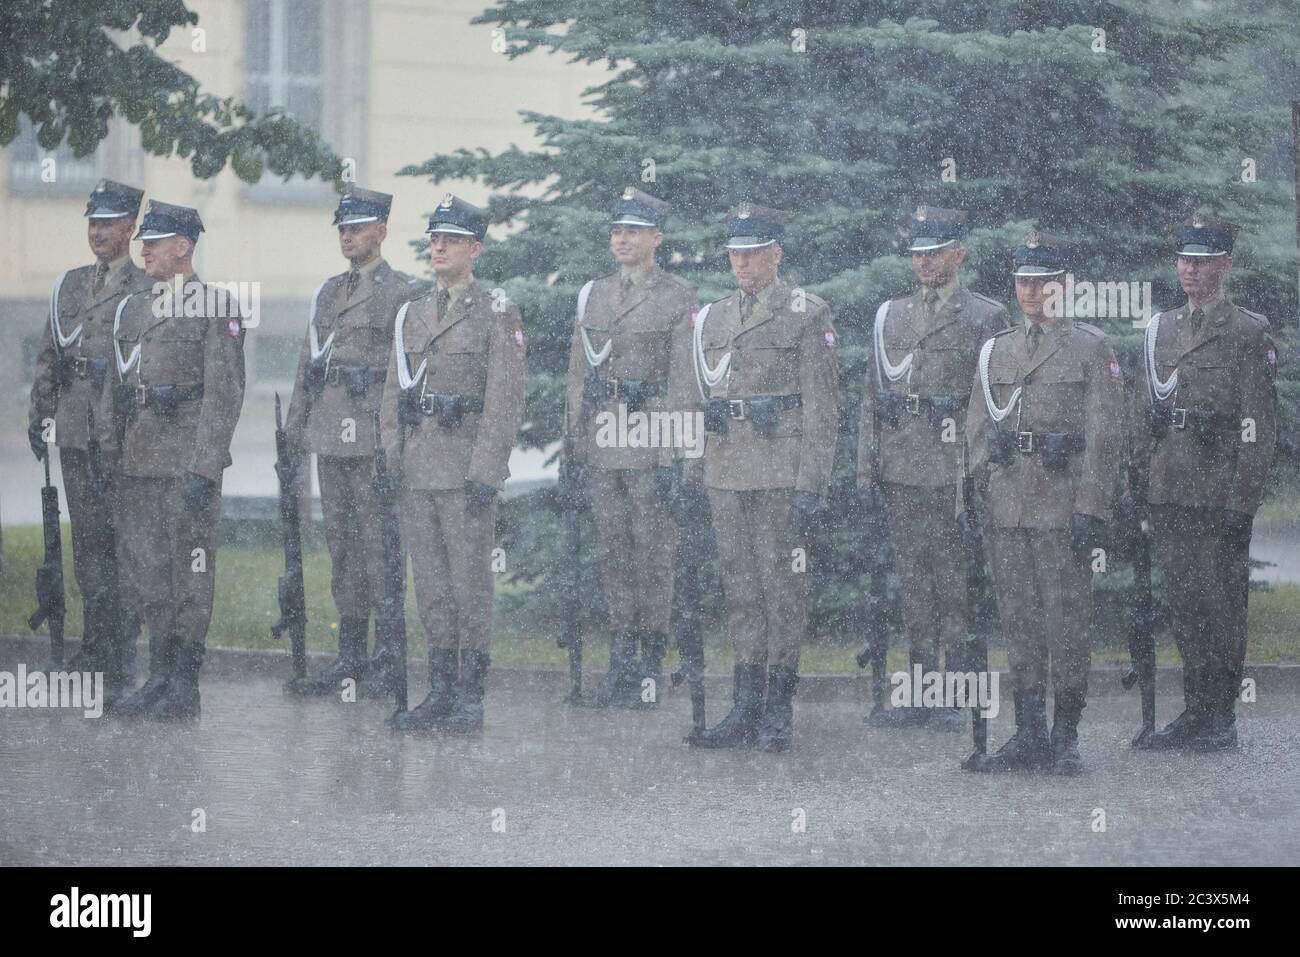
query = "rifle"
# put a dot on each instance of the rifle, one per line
(1141, 638)
(570, 577)
(49, 576)
(875, 611)
(390, 622)
(689, 560)
(981, 606)
(290, 589)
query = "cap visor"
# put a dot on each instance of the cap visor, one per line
(152, 235)
(450, 230)
(747, 242)
(103, 215)
(631, 221)
(1202, 251)
(928, 245)
(353, 220)
(1037, 272)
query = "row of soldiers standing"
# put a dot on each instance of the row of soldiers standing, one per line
(444, 371)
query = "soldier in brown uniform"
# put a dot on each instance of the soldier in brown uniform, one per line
(925, 349)
(619, 369)
(339, 385)
(1210, 367)
(452, 405)
(1047, 478)
(72, 367)
(178, 387)
(765, 369)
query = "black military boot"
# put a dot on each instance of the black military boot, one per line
(1065, 733)
(739, 729)
(776, 727)
(1220, 690)
(1179, 732)
(349, 663)
(466, 716)
(654, 646)
(438, 703)
(1030, 748)
(90, 656)
(180, 701)
(621, 685)
(910, 717)
(161, 659)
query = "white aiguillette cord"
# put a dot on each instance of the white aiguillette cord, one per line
(707, 377)
(884, 368)
(123, 367)
(594, 358)
(317, 350)
(404, 377)
(60, 339)
(1157, 389)
(995, 413)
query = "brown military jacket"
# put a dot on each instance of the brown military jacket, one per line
(786, 347)
(476, 350)
(943, 350)
(641, 326)
(1227, 369)
(1070, 385)
(362, 327)
(67, 398)
(205, 352)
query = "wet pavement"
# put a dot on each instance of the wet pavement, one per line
(282, 781)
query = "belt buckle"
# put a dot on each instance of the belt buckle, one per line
(913, 403)
(1178, 419)
(1025, 442)
(332, 375)
(141, 394)
(612, 380)
(426, 403)
(80, 366)
(736, 409)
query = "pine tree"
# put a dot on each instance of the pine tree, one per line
(1103, 121)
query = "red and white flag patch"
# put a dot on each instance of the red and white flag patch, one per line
(519, 337)
(829, 337)
(233, 328)
(1113, 368)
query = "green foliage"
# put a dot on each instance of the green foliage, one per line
(66, 65)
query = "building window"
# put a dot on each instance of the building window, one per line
(286, 60)
(32, 169)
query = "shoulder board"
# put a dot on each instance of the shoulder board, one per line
(986, 299)
(1091, 329)
(1003, 332)
(815, 299)
(680, 281)
(1261, 319)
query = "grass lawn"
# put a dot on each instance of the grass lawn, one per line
(245, 608)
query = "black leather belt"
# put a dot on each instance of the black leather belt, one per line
(83, 367)
(356, 379)
(446, 408)
(761, 410)
(1205, 425)
(936, 407)
(163, 397)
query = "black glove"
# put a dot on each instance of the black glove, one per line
(665, 485)
(478, 496)
(196, 491)
(1237, 527)
(803, 511)
(36, 437)
(1086, 533)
